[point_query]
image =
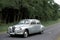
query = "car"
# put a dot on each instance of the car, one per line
(26, 27)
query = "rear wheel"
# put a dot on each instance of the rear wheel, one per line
(41, 32)
(25, 34)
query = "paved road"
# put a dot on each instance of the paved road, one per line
(49, 34)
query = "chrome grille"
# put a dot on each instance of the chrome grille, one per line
(13, 29)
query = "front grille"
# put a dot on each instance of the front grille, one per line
(13, 29)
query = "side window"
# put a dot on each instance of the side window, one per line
(33, 22)
(38, 22)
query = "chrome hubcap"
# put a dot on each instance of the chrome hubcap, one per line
(25, 34)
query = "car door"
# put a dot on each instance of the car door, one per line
(33, 27)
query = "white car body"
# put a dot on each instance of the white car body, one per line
(31, 25)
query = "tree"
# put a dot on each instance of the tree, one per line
(43, 10)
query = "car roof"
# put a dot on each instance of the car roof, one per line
(32, 20)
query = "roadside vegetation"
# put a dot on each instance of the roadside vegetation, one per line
(12, 11)
(15, 10)
(4, 27)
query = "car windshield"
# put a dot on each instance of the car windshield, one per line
(24, 22)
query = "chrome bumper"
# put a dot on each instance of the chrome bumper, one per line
(18, 32)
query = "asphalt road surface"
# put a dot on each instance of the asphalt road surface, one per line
(49, 34)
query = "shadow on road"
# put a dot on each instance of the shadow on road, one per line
(21, 36)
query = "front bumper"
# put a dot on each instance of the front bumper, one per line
(18, 32)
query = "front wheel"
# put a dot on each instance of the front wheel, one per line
(10, 35)
(25, 34)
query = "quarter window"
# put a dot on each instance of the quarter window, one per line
(38, 22)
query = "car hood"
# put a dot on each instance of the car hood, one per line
(21, 25)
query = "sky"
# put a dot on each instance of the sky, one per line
(57, 1)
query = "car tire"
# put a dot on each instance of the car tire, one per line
(25, 34)
(41, 32)
(10, 35)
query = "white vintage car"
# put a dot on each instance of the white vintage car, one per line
(26, 27)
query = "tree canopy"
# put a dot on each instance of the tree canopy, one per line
(15, 10)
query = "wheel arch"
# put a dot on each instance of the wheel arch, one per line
(27, 30)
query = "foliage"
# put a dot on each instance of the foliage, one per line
(15, 10)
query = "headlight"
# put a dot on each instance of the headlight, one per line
(18, 28)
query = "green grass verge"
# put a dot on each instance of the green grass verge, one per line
(4, 27)
(50, 22)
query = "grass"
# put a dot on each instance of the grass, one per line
(4, 27)
(50, 22)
